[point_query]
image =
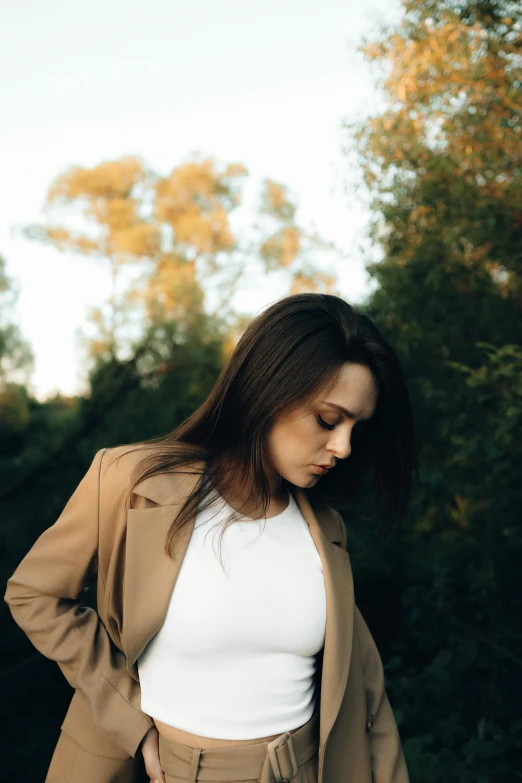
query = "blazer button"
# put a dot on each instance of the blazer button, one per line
(369, 722)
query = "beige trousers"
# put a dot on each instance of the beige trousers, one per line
(291, 756)
(257, 762)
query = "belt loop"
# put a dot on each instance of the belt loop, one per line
(194, 765)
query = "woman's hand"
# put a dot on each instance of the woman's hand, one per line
(150, 750)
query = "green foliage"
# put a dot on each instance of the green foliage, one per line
(16, 356)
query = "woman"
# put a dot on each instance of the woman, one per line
(258, 666)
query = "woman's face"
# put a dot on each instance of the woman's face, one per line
(320, 433)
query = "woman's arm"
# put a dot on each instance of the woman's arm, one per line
(387, 757)
(44, 596)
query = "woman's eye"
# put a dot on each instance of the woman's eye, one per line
(324, 424)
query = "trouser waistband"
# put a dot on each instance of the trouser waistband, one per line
(275, 761)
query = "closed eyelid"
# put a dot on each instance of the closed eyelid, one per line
(346, 413)
(331, 425)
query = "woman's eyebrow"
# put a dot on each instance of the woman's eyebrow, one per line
(346, 412)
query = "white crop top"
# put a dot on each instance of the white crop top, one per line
(234, 658)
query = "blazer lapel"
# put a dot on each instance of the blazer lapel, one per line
(150, 574)
(338, 580)
(150, 577)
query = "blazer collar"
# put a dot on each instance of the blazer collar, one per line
(150, 577)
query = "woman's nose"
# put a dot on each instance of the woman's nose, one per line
(340, 450)
(340, 444)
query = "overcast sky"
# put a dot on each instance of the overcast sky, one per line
(265, 83)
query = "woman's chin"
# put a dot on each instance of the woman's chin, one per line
(302, 478)
(305, 480)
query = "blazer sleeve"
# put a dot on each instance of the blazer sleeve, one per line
(44, 596)
(387, 757)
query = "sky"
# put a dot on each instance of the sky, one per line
(265, 84)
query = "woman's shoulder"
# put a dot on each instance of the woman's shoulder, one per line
(128, 454)
(119, 471)
(118, 463)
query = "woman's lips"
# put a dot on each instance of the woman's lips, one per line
(320, 470)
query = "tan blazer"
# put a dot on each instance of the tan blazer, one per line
(95, 538)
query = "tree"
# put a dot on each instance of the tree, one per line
(16, 367)
(442, 162)
(176, 230)
(16, 356)
(447, 151)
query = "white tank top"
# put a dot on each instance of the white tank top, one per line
(234, 658)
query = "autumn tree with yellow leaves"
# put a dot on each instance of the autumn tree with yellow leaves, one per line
(447, 151)
(174, 234)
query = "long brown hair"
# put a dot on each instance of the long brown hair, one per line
(287, 355)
